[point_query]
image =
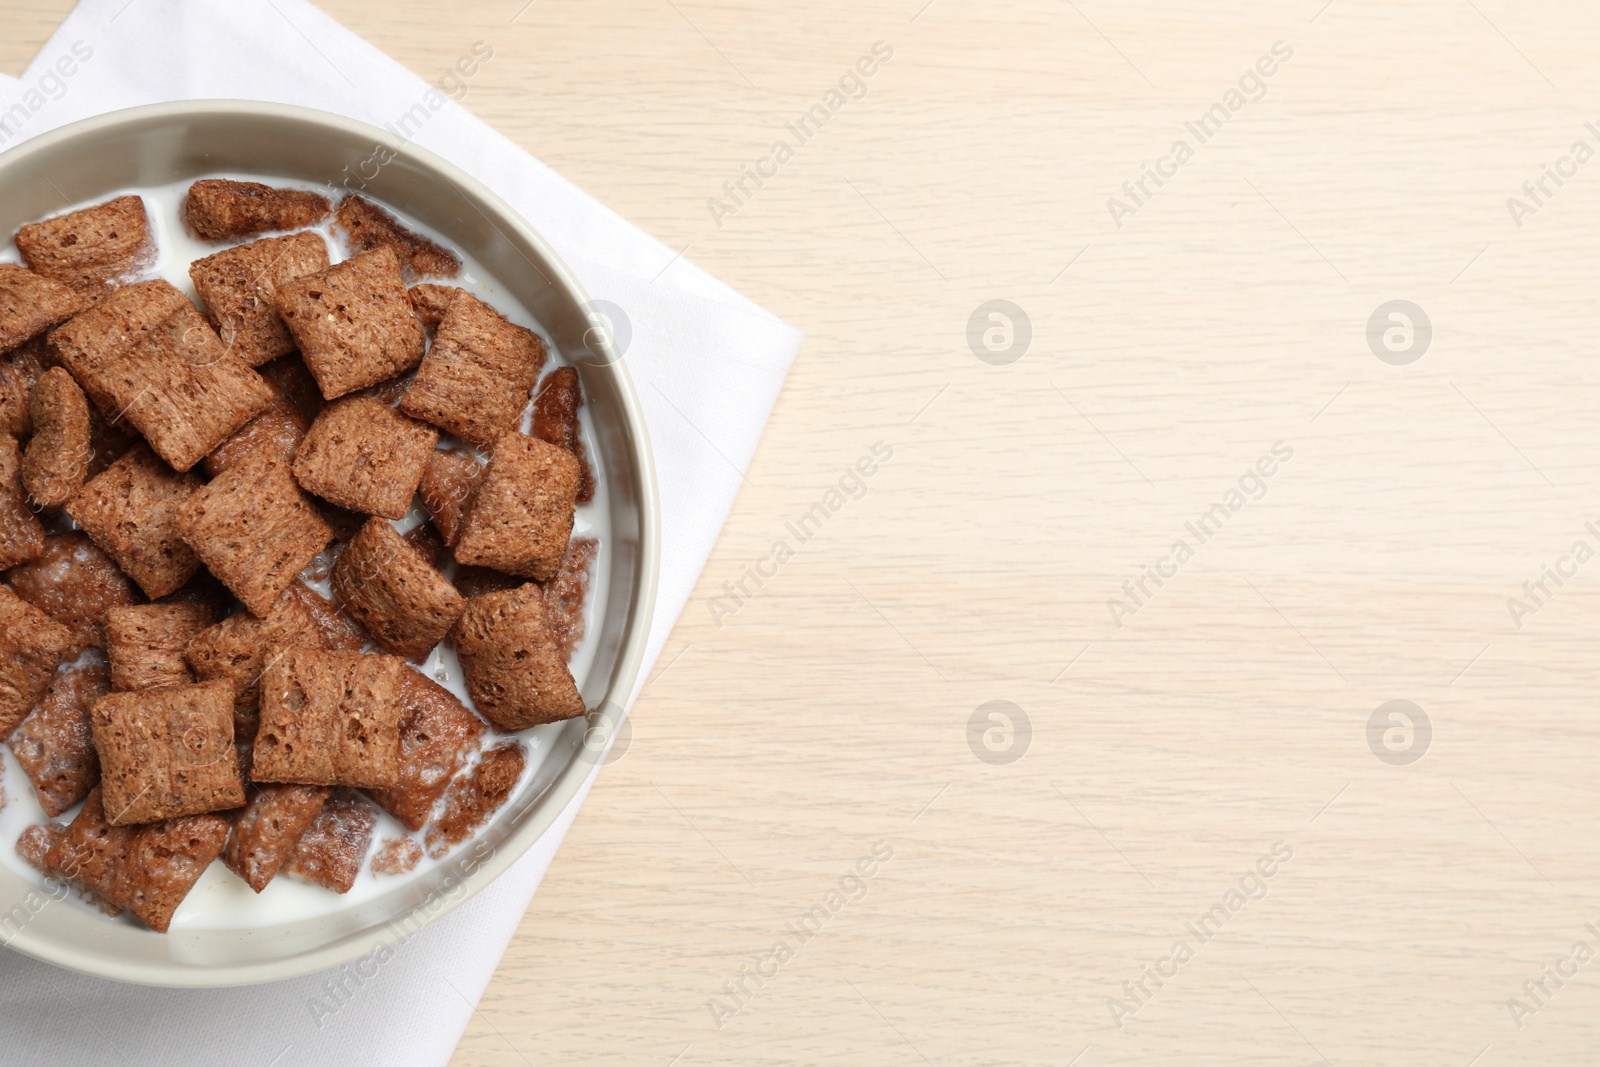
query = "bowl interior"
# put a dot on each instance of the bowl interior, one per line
(166, 143)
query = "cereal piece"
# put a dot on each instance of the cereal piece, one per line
(74, 583)
(514, 668)
(427, 542)
(89, 249)
(131, 512)
(335, 631)
(31, 648)
(54, 744)
(479, 581)
(238, 286)
(365, 456)
(147, 870)
(182, 389)
(35, 843)
(90, 853)
(220, 209)
(522, 518)
(555, 419)
(353, 323)
(35, 846)
(21, 533)
(472, 799)
(386, 586)
(57, 461)
(93, 340)
(205, 590)
(475, 379)
(108, 442)
(396, 856)
(565, 593)
(388, 392)
(265, 833)
(18, 372)
(277, 432)
(331, 851)
(146, 643)
(448, 487)
(237, 648)
(329, 718)
(30, 304)
(431, 302)
(344, 524)
(290, 375)
(255, 529)
(368, 226)
(436, 735)
(165, 753)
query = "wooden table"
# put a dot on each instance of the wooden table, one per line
(1183, 727)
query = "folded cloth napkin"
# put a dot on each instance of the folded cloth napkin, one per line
(707, 363)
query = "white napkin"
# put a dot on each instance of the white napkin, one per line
(707, 363)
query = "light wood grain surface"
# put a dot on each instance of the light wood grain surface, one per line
(1227, 715)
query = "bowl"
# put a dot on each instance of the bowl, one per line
(165, 143)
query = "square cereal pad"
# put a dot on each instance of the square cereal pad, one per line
(180, 388)
(516, 673)
(555, 419)
(431, 301)
(54, 745)
(476, 379)
(293, 379)
(565, 594)
(30, 304)
(363, 455)
(353, 323)
(167, 752)
(427, 543)
(21, 532)
(18, 372)
(368, 226)
(476, 796)
(449, 485)
(92, 340)
(87, 250)
(436, 735)
(146, 643)
(203, 589)
(329, 718)
(56, 462)
(331, 851)
(390, 588)
(255, 529)
(238, 647)
(522, 517)
(264, 834)
(238, 286)
(277, 431)
(108, 442)
(146, 870)
(131, 512)
(221, 209)
(396, 856)
(74, 583)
